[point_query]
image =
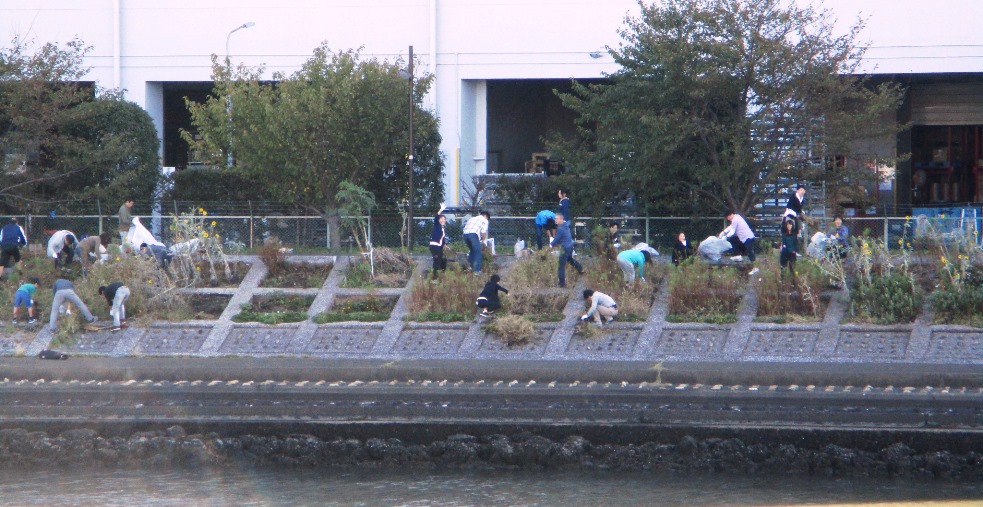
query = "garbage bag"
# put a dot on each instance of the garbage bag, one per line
(713, 247)
(139, 234)
(817, 245)
(644, 247)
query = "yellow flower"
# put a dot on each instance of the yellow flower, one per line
(213, 223)
(198, 268)
(117, 258)
(205, 234)
(150, 281)
(943, 259)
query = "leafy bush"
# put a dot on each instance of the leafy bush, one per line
(888, 299)
(959, 297)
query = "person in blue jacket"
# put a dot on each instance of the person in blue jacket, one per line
(12, 239)
(438, 240)
(564, 239)
(545, 220)
(564, 206)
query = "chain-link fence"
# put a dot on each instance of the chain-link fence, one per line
(386, 230)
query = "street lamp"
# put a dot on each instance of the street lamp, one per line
(228, 99)
(228, 58)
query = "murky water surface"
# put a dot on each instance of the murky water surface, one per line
(264, 487)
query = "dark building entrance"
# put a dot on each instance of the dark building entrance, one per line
(520, 114)
(177, 117)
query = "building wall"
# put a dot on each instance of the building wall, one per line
(140, 44)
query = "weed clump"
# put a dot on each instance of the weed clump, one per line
(514, 329)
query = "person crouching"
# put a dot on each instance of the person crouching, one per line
(488, 299)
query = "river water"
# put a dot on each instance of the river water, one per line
(355, 487)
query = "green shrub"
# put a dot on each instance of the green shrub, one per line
(958, 305)
(888, 299)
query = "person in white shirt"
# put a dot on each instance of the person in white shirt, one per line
(475, 232)
(740, 236)
(601, 306)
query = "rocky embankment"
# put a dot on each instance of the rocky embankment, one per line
(173, 447)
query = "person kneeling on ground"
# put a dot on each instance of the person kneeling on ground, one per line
(739, 233)
(61, 248)
(681, 249)
(25, 297)
(93, 248)
(159, 252)
(601, 306)
(488, 299)
(64, 291)
(116, 295)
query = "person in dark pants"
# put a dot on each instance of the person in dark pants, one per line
(790, 248)
(438, 240)
(488, 298)
(475, 232)
(741, 237)
(681, 249)
(12, 239)
(545, 221)
(564, 239)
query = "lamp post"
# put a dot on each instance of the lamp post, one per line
(228, 58)
(409, 210)
(228, 99)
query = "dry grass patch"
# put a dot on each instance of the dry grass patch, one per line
(451, 299)
(514, 329)
(699, 292)
(634, 302)
(785, 298)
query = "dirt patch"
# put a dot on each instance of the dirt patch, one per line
(208, 306)
(300, 275)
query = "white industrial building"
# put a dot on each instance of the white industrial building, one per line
(496, 63)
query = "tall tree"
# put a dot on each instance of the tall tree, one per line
(718, 102)
(339, 118)
(60, 142)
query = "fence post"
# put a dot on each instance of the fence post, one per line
(99, 210)
(647, 241)
(887, 244)
(250, 224)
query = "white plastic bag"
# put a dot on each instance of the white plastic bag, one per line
(138, 234)
(713, 247)
(644, 247)
(520, 245)
(817, 245)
